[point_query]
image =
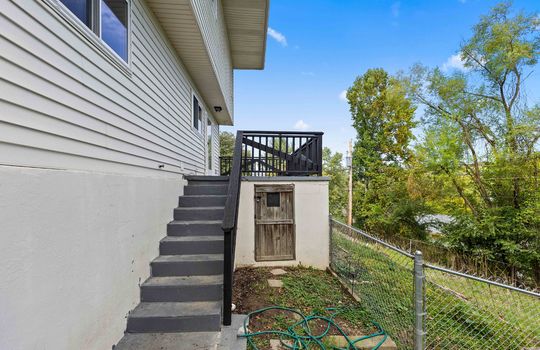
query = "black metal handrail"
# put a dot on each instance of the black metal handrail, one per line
(230, 220)
(261, 153)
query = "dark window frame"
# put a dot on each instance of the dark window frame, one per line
(197, 120)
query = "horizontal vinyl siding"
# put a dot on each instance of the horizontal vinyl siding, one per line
(214, 32)
(64, 104)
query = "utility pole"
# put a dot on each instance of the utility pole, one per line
(349, 165)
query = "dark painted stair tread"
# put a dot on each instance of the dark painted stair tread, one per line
(204, 195)
(199, 208)
(206, 189)
(191, 257)
(181, 281)
(191, 238)
(176, 309)
(209, 178)
(195, 228)
(195, 222)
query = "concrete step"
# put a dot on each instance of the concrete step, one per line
(176, 245)
(202, 201)
(229, 339)
(183, 288)
(195, 228)
(199, 213)
(171, 341)
(205, 189)
(187, 265)
(200, 316)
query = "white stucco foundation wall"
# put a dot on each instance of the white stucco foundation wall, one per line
(311, 217)
(74, 248)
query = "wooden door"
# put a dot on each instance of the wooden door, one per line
(274, 222)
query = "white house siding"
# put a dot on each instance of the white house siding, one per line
(83, 202)
(211, 19)
(60, 95)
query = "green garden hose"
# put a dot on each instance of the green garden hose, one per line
(298, 336)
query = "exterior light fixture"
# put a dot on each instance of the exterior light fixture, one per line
(218, 108)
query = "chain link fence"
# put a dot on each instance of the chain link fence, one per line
(425, 306)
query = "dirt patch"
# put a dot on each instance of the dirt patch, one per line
(306, 290)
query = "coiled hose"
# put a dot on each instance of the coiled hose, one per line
(299, 336)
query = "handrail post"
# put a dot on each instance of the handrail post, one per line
(419, 310)
(319, 154)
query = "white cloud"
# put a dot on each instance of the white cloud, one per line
(395, 9)
(343, 95)
(277, 36)
(301, 125)
(454, 62)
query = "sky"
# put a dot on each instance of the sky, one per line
(316, 49)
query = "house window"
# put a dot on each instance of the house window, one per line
(197, 115)
(80, 8)
(108, 19)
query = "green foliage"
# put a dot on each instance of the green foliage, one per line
(226, 143)
(338, 186)
(383, 118)
(478, 158)
(481, 139)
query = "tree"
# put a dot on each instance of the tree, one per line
(382, 115)
(383, 118)
(226, 143)
(482, 137)
(337, 189)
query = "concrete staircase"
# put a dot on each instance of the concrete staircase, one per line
(184, 292)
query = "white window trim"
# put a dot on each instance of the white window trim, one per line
(90, 37)
(215, 9)
(201, 130)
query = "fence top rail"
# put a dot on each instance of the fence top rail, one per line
(381, 242)
(480, 279)
(435, 267)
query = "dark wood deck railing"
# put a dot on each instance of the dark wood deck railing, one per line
(286, 153)
(261, 153)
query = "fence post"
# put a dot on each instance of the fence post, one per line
(330, 240)
(419, 310)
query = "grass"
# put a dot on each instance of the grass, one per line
(308, 290)
(461, 313)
